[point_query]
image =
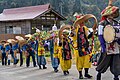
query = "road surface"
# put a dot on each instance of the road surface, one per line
(34, 73)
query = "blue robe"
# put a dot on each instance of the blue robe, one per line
(7, 48)
(14, 47)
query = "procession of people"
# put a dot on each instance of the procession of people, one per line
(71, 40)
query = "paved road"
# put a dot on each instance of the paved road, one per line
(33, 73)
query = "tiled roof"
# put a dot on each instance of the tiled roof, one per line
(23, 13)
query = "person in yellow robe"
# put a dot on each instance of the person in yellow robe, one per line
(65, 55)
(55, 62)
(41, 56)
(81, 50)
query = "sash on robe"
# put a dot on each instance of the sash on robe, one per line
(66, 54)
(82, 42)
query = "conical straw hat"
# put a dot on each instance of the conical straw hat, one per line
(12, 41)
(85, 18)
(19, 38)
(28, 35)
(60, 33)
(3, 41)
(6, 44)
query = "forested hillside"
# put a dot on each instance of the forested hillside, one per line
(65, 7)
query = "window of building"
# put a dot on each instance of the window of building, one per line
(16, 30)
(13, 30)
(9, 29)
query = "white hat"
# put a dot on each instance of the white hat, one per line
(75, 14)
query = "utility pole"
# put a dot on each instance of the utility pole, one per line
(61, 7)
(81, 8)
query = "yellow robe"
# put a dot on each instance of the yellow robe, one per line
(65, 64)
(83, 61)
(41, 51)
(55, 55)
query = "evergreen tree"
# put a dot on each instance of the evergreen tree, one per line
(65, 7)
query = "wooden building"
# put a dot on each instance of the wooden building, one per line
(23, 20)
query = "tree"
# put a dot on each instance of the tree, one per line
(65, 7)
